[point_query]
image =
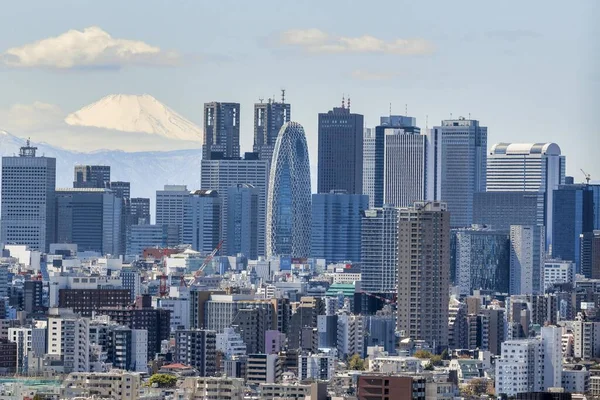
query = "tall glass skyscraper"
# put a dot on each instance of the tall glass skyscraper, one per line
(289, 196)
(463, 166)
(221, 131)
(28, 199)
(269, 117)
(340, 151)
(336, 225)
(528, 167)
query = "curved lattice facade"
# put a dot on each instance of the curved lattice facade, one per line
(289, 198)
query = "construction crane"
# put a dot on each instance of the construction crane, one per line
(207, 261)
(588, 177)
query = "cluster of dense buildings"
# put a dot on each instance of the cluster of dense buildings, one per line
(423, 267)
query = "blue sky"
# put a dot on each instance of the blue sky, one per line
(530, 71)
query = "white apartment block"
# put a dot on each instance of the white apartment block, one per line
(68, 336)
(527, 257)
(230, 343)
(316, 366)
(116, 385)
(222, 388)
(558, 271)
(350, 335)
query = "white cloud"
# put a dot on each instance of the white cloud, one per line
(30, 117)
(365, 75)
(317, 41)
(90, 48)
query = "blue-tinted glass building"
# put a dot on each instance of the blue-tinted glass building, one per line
(336, 225)
(573, 213)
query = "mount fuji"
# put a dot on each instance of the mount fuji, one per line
(133, 113)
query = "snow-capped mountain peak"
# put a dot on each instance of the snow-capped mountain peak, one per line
(135, 113)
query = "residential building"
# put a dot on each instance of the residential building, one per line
(230, 343)
(27, 209)
(424, 272)
(381, 387)
(89, 218)
(68, 338)
(91, 176)
(115, 384)
(87, 301)
(242, 220)
(196, 348)
(263, 368)
(463, 144)
(289, 196)
(208, 387)
(337, 226)
(528, 167)
(202, 220)
(527, 257)
(269, 117)
(340, 158)
(320, 366)
(221, 131)
(379, 250)
(350, 335)
(220, 175)
(586, 339)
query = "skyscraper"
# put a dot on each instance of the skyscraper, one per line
(269, 117)
(500, 210)
(590, 254)
(405, 166)
(379, 249)
(221, 131)
(202, 220)
(482, 260)
(170, 204)
(573, 216)
(336, 225)
(91, 176)
(340, 151)
(121, 189)
(90, 218)
(242, 220)
(220, 175)
(140, 210)
(377, 151)
(528, 167)
(27, 206)
(369, 165)
(527, 258)
(289, 195)
(424, 272)
(463, 164)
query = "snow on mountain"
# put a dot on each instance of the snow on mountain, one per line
(133, 113)
(147, 171)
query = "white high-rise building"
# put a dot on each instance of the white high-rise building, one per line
(230, 343)
(170, 206)
(586, 339)
(528, 167)
(527, 257)
(558, 271)
(28, 196)
(350, 335)
(369, 165)
(319, 366)
(379, 250)
(68, 336)
(530, 365)
(220, 175)
(405, 167)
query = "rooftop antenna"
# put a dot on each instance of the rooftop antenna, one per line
(390, 109)
(469, 115)
(283, 95)
(406, 109)
(426, 122)
(450, 115)
(343, 101)
(348, 102)
(260, 99)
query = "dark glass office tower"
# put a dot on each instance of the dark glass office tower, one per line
(269, 117)
(340, 151)
(221, 131)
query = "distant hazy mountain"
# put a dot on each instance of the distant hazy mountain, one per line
(133, 113)
(147, 171)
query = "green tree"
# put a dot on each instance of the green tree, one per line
(436, 360)
(355, 363)
(429, 367)
(422, 354)
(163, 380)
(445, 355)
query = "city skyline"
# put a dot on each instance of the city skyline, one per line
(496, 88)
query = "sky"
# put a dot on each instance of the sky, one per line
(529, 71)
